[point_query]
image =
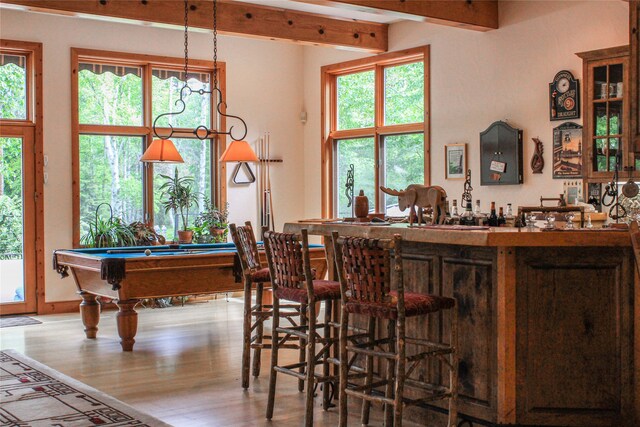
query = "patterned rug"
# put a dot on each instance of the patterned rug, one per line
(9, 321)
(34, 395)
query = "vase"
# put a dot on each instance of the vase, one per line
(185, 237)
(361, 206)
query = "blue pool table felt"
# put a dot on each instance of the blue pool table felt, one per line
(162, 250)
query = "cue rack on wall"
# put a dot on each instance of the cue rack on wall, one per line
(265, 201)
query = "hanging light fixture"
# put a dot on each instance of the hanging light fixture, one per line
(162, 149)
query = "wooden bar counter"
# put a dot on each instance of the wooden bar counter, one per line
(546, 319)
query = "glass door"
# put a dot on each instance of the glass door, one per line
(17, 220)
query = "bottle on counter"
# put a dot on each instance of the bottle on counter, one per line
(509, 213)
(467, 217)
(511, 219)
(455, 216)
(493, 218)
(478, 216)
(476, 209)
(502, 221)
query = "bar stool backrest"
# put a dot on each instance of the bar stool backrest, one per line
(366, 269)
(246, 245)
(288, 258)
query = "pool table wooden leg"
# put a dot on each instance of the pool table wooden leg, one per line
(90, 312)
(127, 319)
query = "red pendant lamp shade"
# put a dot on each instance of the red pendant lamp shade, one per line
(162, 151)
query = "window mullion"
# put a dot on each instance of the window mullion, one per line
(379, 122)
(147, 95)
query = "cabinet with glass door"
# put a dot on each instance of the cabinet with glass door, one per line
(606, 114)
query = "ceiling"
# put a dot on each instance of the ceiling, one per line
(352, 24)
(328, 9)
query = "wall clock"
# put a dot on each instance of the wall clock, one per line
(564, 97)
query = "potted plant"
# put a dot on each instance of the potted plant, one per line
(145, 235)
(179, 197)
(214, 220)
(109, 233)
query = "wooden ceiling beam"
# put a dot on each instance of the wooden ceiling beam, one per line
(234, 18)
(480, 15)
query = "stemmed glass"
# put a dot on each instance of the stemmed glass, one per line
(551, 221)
(569, 224)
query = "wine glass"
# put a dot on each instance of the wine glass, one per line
(551, 221)
(569, 224)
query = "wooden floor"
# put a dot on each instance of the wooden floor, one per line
(184, 370)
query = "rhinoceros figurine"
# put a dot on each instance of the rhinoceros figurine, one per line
(422, 196)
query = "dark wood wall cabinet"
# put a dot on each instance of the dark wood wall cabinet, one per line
(606, 97)
(546, 321)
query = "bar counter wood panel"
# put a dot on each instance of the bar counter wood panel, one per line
(574, 336)
(545, 323)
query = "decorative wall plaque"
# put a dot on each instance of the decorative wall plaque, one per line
(501, 155)
(537, 161)
(567, 151)
(564, 97)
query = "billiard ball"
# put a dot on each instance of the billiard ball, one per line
(147, 252)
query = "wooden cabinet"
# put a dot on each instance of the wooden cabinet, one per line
(606, 112)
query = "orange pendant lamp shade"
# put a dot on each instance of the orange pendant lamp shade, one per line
(239, 151)
(162, 151)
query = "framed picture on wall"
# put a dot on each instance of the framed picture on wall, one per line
(567, 151)
(455, 160)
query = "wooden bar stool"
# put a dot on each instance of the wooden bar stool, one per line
(364, 271)
(292, 280)
(254, 274)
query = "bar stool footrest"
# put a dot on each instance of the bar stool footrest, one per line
(374, 353)
(370, 397)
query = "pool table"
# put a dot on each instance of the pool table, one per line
(128, 275)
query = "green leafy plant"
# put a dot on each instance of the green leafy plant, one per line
(112, 232)
(145, 235)
(211, 218)
(179, 196)
(11, 226)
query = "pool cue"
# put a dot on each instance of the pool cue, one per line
(265, 193)
(273, 227)
(265, 173)
(259, 172)
(261, 190)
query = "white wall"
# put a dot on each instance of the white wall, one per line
(264, 87)
(478, 78)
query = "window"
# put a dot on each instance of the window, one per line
(375, 112)
(13, 77)
(118, 98)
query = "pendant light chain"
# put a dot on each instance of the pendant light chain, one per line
(186, 41)
(201, 132)
(215, 44)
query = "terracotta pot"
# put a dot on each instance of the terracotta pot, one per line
(185, 236)
(217, 232)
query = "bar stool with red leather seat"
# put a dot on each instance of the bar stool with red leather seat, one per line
(292, 280)
(364, 268)
(254, 274)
